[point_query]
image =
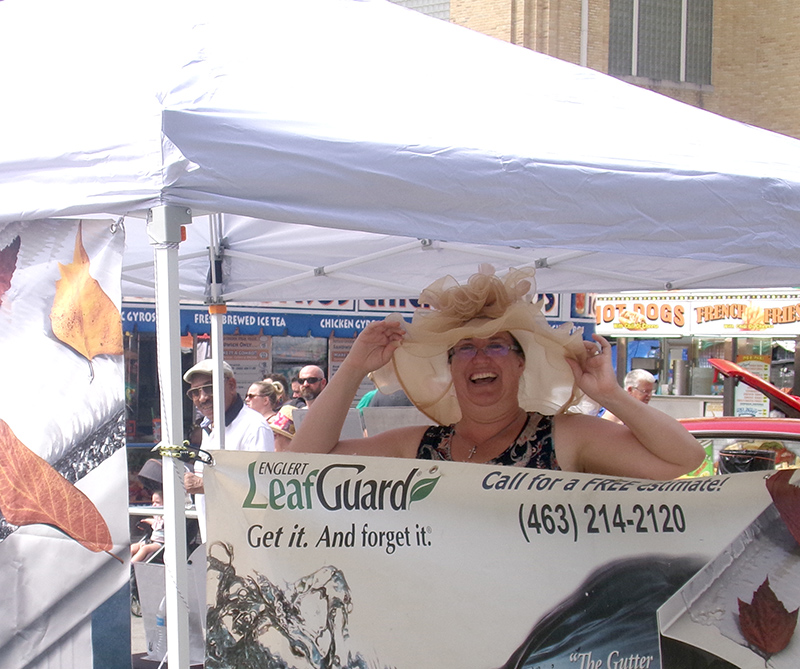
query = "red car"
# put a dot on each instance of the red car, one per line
(749, 443)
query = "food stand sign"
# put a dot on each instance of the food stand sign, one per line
(747, 315)
(749, 401)
(698, 314)
(641, 315)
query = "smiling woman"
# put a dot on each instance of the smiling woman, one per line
(484, 364)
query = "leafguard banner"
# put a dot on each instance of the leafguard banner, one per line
(322, 561)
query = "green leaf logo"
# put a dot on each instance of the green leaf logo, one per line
(423, 488)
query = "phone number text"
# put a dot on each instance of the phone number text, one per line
(563, 519)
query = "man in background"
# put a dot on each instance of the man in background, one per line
(297, 394)
(296, 389)
(245, 429)
(638, 382)
(312, 381)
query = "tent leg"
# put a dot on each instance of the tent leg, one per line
(217, 311)
(164, 229)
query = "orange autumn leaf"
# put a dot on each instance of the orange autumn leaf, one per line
(31, 491)
(83, 316)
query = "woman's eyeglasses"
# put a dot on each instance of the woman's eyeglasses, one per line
(250, 396)
(493, 350)
(194, 393)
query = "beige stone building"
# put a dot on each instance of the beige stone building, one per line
(738, 58)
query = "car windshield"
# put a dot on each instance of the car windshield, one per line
(751, 450)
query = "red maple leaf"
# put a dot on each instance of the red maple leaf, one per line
(765, 622)
(786, 498)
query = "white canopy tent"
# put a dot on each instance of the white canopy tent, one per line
(362, 116)
(346, 148)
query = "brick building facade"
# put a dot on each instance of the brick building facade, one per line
(738, 58)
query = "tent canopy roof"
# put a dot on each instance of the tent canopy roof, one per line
(324, 132)
(282, 261)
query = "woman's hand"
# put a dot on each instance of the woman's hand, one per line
(594, 373)
(649, 444)
(374, 347)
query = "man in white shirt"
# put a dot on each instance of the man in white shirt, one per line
(245, 429)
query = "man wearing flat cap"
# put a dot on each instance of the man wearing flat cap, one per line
(245, 429)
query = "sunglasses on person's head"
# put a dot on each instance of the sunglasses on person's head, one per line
(311, 380)
(194, 393)
(495, 349)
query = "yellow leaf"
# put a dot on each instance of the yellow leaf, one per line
(83, 316)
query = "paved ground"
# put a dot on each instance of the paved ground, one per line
(139, 645)
(138, 642)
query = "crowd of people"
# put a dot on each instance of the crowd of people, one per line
(261, 421)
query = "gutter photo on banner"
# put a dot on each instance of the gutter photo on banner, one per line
(323, 561)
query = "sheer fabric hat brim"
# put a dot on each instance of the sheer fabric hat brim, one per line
(480, 309)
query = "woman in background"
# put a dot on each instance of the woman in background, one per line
(267, 398)
(263, 397)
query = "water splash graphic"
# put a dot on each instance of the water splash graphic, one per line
(310, 615)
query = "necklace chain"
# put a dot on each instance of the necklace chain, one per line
(474, 448)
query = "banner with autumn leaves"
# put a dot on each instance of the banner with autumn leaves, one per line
(63, 467)
(320, 561)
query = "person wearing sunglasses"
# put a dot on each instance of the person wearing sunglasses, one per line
(245, 428)
(263, 396)
(498, 381)
(312, 383)
(266, 398)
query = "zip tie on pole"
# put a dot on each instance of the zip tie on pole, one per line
(184, 453)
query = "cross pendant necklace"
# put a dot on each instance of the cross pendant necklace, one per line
(474, 448)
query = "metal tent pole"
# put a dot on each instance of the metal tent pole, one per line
(217, 310)
(164, 230)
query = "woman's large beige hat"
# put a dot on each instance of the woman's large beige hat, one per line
(481, 308)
